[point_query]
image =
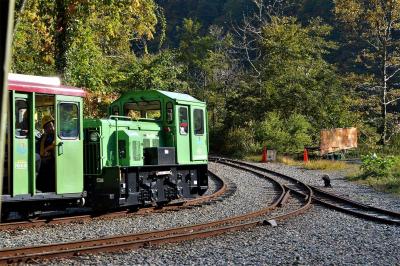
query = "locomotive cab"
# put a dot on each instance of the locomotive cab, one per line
(39, 175)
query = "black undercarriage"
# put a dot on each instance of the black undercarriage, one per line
(118, 187)
(136, 186)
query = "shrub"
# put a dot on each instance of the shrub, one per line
(239, 142)
(289, 135)
(376, 166)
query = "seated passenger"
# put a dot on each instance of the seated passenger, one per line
(46, 145)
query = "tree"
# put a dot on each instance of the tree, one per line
(295, 77)
(208, 67)
(85, 42)
(376, 23)
(160, 71)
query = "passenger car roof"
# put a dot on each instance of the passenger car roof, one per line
(38, 84)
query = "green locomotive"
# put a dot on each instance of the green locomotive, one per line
(152, 148)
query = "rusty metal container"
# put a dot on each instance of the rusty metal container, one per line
(338, 139)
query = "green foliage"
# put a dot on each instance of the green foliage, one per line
(33, 43)
(285, 135)
(160, 71)
(380, 172)
(295, 76)
(86, 66)
(376, 166)
(371, 31)
(87, 43)
(239, 142)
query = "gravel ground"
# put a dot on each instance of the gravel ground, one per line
(319, 237)
(249, 196)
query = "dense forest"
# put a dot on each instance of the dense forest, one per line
(273, 72)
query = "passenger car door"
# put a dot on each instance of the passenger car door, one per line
(21, 144)
(69, 145)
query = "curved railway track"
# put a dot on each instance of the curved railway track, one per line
(334, 201)
(224, 190)
(292, 205)
(26, 254)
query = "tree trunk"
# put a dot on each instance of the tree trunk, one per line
(61, 35)
(384, 98)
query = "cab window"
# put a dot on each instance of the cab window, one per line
(170, 112)
(21, 118)
(198, 116)
(68, 120)
(143, 110)
(183, 121)
(115, 110)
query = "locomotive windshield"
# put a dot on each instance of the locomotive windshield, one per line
(143, 110)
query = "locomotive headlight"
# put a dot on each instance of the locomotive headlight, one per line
(94, 136)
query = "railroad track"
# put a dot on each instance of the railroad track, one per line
(225, 189)
(252, 219)
(298, 195)
(334, 201)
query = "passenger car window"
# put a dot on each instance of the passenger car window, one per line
(183, 121)
(21, 118)
(68, 120)
(198, 116)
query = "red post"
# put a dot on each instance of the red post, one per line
(305, 155)
(264, 155)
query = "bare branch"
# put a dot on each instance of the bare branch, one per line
(392, 101)
(393, 74)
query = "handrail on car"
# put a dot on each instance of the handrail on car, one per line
(120, 116)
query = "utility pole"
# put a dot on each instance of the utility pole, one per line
(6, 26)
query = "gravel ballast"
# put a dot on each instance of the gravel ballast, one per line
(249, 196)
(319, 237)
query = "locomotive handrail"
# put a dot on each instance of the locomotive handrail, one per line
(120, 116)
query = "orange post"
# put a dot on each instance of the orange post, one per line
(264, 155)
(305, 155)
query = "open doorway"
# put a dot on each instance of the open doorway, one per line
(45, 143)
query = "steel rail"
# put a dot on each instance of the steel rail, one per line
(355, 208)
(147, 210)
(341, 203)
(303, 190)
(306, 192)
(25, 254)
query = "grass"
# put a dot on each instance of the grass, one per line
(327, 165)
(253, 158)
(390, 184)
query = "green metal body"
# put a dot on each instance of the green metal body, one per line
(22, 151)
(153, 147)
(128, 137)
(135, 134)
